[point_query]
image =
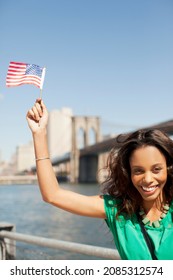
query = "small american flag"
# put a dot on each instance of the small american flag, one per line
(24, 73)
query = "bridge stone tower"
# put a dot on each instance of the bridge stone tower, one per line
(84, 169)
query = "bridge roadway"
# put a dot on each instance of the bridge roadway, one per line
(108, 144)
(85, 163)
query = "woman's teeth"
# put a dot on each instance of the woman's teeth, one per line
(150, 189)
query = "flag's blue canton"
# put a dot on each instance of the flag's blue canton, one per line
(32, 69)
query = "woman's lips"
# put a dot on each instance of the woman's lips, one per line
(149, 189)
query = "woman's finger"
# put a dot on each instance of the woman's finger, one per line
(39, 109)
(36, 113)
(30, 114)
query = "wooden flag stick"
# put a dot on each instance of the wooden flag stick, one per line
(42, 81)
(41, 90)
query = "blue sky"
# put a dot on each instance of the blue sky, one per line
(110, 58)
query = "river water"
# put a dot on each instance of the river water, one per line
(22, 205)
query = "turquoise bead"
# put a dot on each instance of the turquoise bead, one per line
(145, 220)
(156, 224)
(110, 202)
(166, 207)
(163, 215)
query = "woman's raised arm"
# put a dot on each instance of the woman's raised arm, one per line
(52, 193)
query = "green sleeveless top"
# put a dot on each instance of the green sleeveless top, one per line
(129, 239)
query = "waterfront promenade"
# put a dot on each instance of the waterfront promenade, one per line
(18, 179)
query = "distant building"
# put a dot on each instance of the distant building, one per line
(8, 168)
(60, 132)
(59, 142)
(25, 157)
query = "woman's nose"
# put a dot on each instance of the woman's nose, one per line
(148, 178)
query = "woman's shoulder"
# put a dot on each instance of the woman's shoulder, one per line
(111, 201)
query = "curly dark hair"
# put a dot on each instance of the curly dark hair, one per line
(118, 182)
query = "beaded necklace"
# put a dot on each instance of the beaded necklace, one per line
(156, 224)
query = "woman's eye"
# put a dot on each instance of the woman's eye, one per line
(157, 169)
(137, 171)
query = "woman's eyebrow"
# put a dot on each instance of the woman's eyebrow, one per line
(140, 166)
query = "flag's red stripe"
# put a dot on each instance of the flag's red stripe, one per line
(19, 84)
(13, 75)
(17, 63)
(26, 77)
(22, 80)
(13, 85)
(13, 72)
(16, 68)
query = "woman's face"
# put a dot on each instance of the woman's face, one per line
(148, 172)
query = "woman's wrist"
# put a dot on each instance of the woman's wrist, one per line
(40, 144)
(40, 133)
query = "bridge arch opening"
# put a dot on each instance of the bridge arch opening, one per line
(81, 136)
(92, 136)
(85, 132)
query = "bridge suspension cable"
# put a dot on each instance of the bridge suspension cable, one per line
(114, 127)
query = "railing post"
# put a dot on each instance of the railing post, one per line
(7, 246)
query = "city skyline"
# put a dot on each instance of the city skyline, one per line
(109, 58)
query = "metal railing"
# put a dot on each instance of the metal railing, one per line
(8, 236)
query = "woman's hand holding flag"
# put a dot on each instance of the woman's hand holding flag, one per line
(37, 117)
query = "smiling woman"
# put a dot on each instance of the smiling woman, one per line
(140, 188)
(139, 184)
